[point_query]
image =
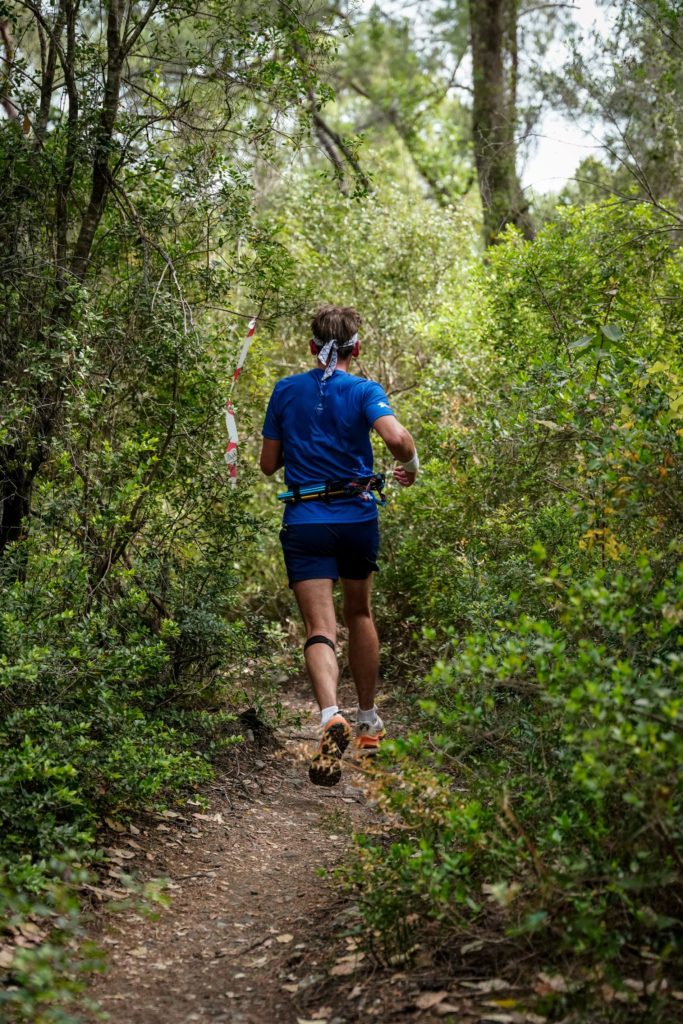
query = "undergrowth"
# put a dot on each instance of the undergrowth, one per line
(538, 800)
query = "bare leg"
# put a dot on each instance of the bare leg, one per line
(316, 605)
(363, 640)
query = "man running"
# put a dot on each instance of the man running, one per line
(318, 427)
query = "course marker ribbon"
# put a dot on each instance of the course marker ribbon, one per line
(230, 423)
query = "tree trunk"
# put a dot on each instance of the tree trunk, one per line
(493, 28)
(16, 484)
(15, 505)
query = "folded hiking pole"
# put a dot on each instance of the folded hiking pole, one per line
(362, 487)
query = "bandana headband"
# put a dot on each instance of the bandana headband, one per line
(329, 351)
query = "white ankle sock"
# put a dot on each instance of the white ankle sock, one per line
(327, 713)
(367, 717)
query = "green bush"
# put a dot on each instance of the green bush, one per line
(101, 715)
(553, 418)
(540, 792)
(119, 632)
(567, 739)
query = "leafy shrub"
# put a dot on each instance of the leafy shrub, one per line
(101, 715)
(540, 792)
(568, 441)
(571, 742)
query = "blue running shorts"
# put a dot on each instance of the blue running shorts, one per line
(326, 551)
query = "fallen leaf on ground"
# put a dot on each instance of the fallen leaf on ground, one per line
(106, 894)
(6, 957)
(443, 1008)
(285, 937)
(550, 983)
(350, 957)
(426, 1000)
(259, 962)
(115, 826)
(472, 947)
(491, 985)
(404, 956)
(342, 969)
(139, 951)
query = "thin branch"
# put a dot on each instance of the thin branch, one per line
(558, 326)
(101, 177)
(130, 40)
(10, 109)
(548, 7)
(646, 13)
(49, 64)
(329, 138)
(127, 208)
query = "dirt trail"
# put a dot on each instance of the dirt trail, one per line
(253, 934)
(246, 938)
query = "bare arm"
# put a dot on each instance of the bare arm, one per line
(400, 443)
(272, 456)
(397, 439)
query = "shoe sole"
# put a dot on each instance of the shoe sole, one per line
(325, 767)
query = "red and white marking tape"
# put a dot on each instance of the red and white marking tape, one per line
(230, 424)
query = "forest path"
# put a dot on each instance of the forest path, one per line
(248, 934)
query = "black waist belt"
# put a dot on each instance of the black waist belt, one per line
(331, 489)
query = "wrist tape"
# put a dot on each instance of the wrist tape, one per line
(413, 463)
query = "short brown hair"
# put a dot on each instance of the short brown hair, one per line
(338, 322)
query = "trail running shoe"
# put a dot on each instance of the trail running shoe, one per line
(325, 766)
(369, 737)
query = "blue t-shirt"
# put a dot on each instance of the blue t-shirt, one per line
(324, 427)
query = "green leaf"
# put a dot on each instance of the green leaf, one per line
(611, 332)
(582, 344)
(538, 551)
